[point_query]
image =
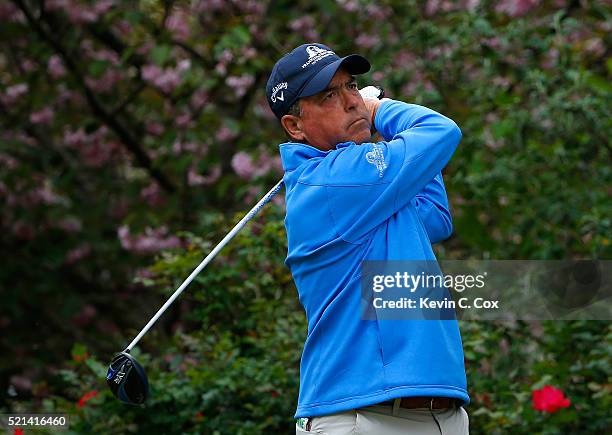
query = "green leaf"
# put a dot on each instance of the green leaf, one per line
(98, 67)
(160, 54)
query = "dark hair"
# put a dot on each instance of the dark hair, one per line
(295, 109)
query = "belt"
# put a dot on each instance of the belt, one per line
(425, 402)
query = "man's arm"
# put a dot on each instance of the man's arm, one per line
(368, 183)
(431, 204)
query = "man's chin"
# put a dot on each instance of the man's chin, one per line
(363, 137)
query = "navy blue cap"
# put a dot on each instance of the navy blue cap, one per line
(306, 71)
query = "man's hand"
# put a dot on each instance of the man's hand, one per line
(371, 97)
(372, 106)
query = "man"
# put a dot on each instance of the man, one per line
(350, 200)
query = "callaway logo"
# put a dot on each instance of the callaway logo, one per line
(275, 89)
(315, 54)
(377, 158)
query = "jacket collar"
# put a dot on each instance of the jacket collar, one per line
(293, 154)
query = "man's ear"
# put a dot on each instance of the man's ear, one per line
(293, 126)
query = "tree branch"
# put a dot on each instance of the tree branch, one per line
(142, 159)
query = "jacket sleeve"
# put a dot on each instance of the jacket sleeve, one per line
(431, 204)
(368, 183)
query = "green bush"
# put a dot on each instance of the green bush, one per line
(232, 364)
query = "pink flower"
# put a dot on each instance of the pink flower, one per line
(165, 79)
(169, 80)
(240, 84)
(7, 161)
(183, 120)
(75, 138)
(78, 14)
(104, 54)
(103, 6)
(405, 59)
(56, 67)
(28, 65)
(349, 5)
(471, 5)
(77, 253)
(242, 163)
(123, 27)
(246, 168)
(95, 149)
(431, 7)
(367, 41)
(377, 12)
(154, 128)
(199, 98)
(192, 147)
(13, 93)
(183, 65)
(178, 24)
(7, 11)
(22, 383)
(208, 6)
(550, 59)
(42, 116)
(595, 46)
(152, 241)
(54, 5)
(305, 26)
(195, 179)
(152, 195)
(549, 399)
(106, 82)
(224, 134)
(516, 8)
(494, 43)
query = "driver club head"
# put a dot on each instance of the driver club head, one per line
(127, 379)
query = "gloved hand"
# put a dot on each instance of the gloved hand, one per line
(371, 97)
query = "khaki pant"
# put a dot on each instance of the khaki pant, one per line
(387, 420)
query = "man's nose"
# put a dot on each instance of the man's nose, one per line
(350, 99)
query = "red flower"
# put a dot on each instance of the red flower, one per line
(87, 396)
(18, 431)
(199, 415)
(549, 399)
(80, 358)
(274, 393)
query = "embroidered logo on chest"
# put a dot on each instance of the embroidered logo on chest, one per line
(377, 158)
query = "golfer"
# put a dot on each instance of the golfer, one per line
(349, 200)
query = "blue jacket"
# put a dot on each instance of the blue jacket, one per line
(373, 201)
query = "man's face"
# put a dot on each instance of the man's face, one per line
(335, 115)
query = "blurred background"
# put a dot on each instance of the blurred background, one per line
(135, 134)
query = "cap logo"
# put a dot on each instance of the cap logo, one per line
(315, 54)
(281, 96)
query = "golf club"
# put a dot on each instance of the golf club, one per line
(126, 378)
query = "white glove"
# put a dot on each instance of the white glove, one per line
(373, 92)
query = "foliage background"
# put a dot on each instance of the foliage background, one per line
(135, 133)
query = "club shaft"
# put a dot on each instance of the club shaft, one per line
(263, 201)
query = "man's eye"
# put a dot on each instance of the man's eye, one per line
(352, 86)
(330, 94)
